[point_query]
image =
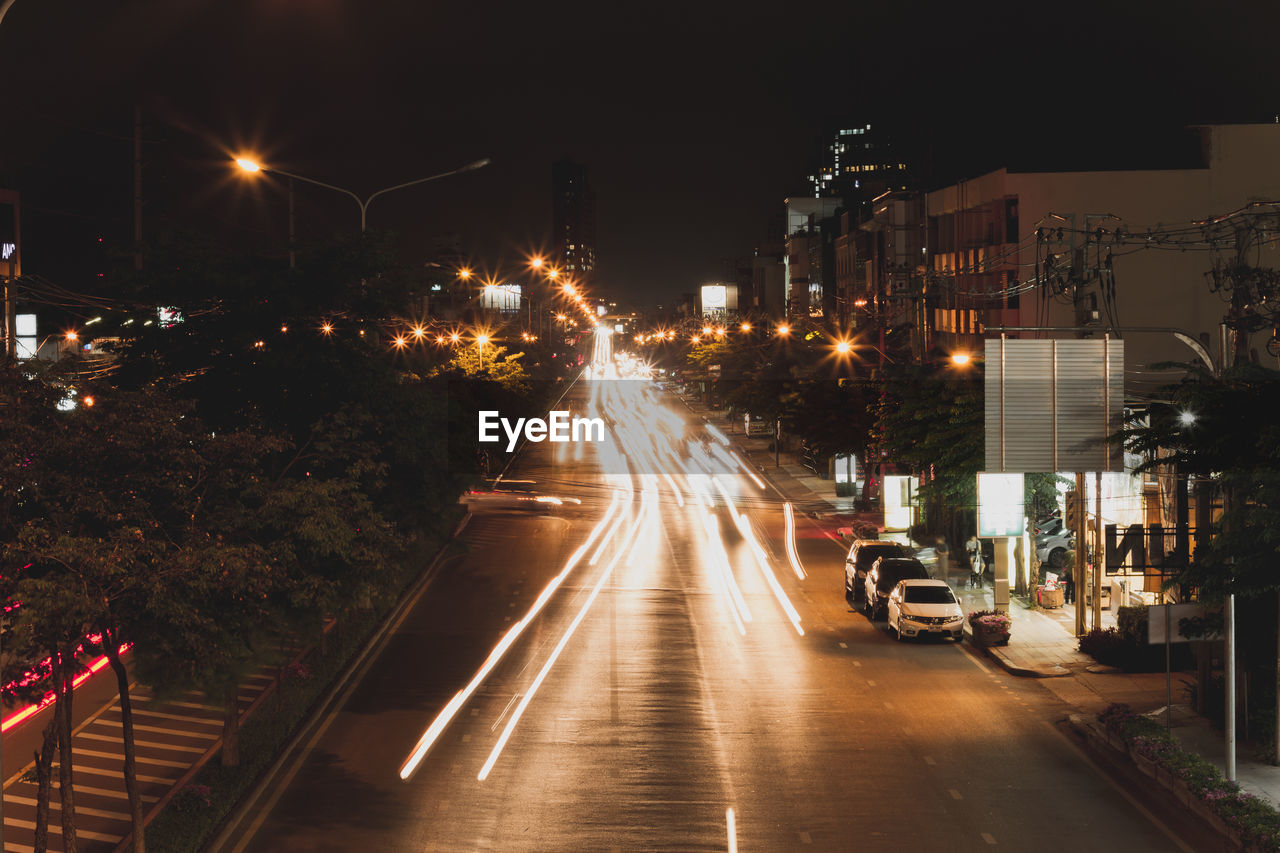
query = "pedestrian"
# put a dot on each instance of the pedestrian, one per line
(976, 563)
(1068, 587)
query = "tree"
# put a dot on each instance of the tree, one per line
(1225, 430)
(932, 424)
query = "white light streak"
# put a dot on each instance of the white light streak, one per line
(646, 503)
(450, 710)
(791, 541)
(732, 824)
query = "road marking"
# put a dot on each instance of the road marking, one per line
(150, 744)
(955, 795)
(888, 706)
(870, 683)
(930, 761)
(104, 792)
(163, 730)
(857, 663)
(805, 838)
(57, 828)
(989, 838)
(844, 645)
(195, 705)
(186, 718)
(733, 829)
(114, 774)
(182, 765)
(54, 804)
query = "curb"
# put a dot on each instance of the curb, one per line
(339, 691)
(1013, 669)
(1096, 738)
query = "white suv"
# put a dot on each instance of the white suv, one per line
(921, 607)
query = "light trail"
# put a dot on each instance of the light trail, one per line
(723, 572)
(752, 474)
(646, 504)
(721, 437)
(675, 489)
(731, 823)
(446, 715)
(792, 555)
(762, 559)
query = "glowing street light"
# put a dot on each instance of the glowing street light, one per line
(960, 358)
(252, 166)
(535, 262)
(400, 342)
(464, 273)
(419, 332)
(746, 327)
(784, 330)
(843, 347)
(326, 328)
(706, 330)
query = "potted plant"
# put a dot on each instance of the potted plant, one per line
(990, 627)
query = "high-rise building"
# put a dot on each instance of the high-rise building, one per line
(858, 165)
(573, 220)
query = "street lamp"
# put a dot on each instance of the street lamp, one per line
(960, 358)
(784, 330)
(252, 166)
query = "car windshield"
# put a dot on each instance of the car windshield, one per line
(928, 595)
(868, 554)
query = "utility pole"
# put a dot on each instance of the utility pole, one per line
(1081, 552)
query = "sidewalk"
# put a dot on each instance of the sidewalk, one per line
(1042, 642)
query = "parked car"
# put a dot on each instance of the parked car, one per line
(918, 608)
(862, 553)
(1050, 549)
(885, 574)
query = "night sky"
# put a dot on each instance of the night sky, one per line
(696, 120)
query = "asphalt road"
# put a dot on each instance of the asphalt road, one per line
(662, 711)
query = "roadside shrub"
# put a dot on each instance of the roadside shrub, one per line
(1106, 646)
(192, 798)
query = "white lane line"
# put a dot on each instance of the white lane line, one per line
(870, 683)
(806, 838)
(844, 645)
(198, 750)
(80, 810)
(955, 795)
(989, 838)
(888, 706)
(57, 828)
(115, 774)
(182, 765)
(162, 730)
(102, 792)
(732, 825)
(186, 718)
(857, 663)
(195, 705)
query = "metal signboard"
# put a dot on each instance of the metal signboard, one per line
(1051, 404)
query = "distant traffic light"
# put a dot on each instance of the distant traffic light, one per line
(1071, 518)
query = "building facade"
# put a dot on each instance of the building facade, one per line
(573, 221)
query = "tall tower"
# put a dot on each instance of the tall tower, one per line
(573, 219)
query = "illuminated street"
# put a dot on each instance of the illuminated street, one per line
(666, 679)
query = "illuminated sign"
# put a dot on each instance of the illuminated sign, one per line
(7, 251)
(1000, 504)
(899, 501)
(169, 316)
(504, 298)
(713, 298)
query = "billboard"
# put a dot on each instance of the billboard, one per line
(503, 298)
(719, 299)
(1050, 404)
(1000, 504)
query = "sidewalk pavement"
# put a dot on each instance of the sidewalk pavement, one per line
(1042, 642)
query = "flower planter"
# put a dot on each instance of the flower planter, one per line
(990, 638)
(1146, 765)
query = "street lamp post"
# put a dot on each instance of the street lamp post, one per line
(254, 166)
